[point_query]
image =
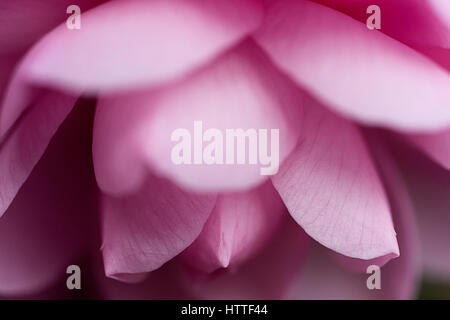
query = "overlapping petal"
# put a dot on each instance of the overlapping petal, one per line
(49, 224)
(436, 145)
(25, 21)
(414, 22)
(240, 225)
(323, 278)
(241, 90)
(126, 44)
(429, 186)
(26, 142)
(269, 275)
(361, 73)
(400, 277)
(144, 230)
(331, 188)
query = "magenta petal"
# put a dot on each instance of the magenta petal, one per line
(7, 64)
(144, 230)
(414, 22)
(240, 90)
(49, 222)
(436, 145)
(22, 147)
(361, 73)
(240, 225)
(269, 275)
(441, 8)
(331, 188)
(25, 21)
(439, 55)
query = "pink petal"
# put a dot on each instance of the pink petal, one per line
(414, 22)
(331, 188)
(144, 230)
(48, 224)
(361, 73)
(241, 90)
(25, 21)
(22, 148)
(400, 277)
(436, 145)
(154, 41)
(268, 275)
(129, 44)
(322, 278)
(442, 10)
(240, 225)
(429, 185)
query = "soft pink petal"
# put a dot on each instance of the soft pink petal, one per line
(144, 230)
(442, 10)
(401, 275)
(414, 22)
(429, 185)
(25, 21)
(49, 222)
(23, 146)
(268, 275)
(331, 188)
(436, 145)
(241, 90)
(240, 225)
(129, 44)
(323, 278)
(361, 73)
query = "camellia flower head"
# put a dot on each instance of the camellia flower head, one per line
(360, 117)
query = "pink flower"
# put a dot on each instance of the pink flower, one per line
(364, 123)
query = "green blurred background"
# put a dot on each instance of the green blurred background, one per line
(431, 289)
